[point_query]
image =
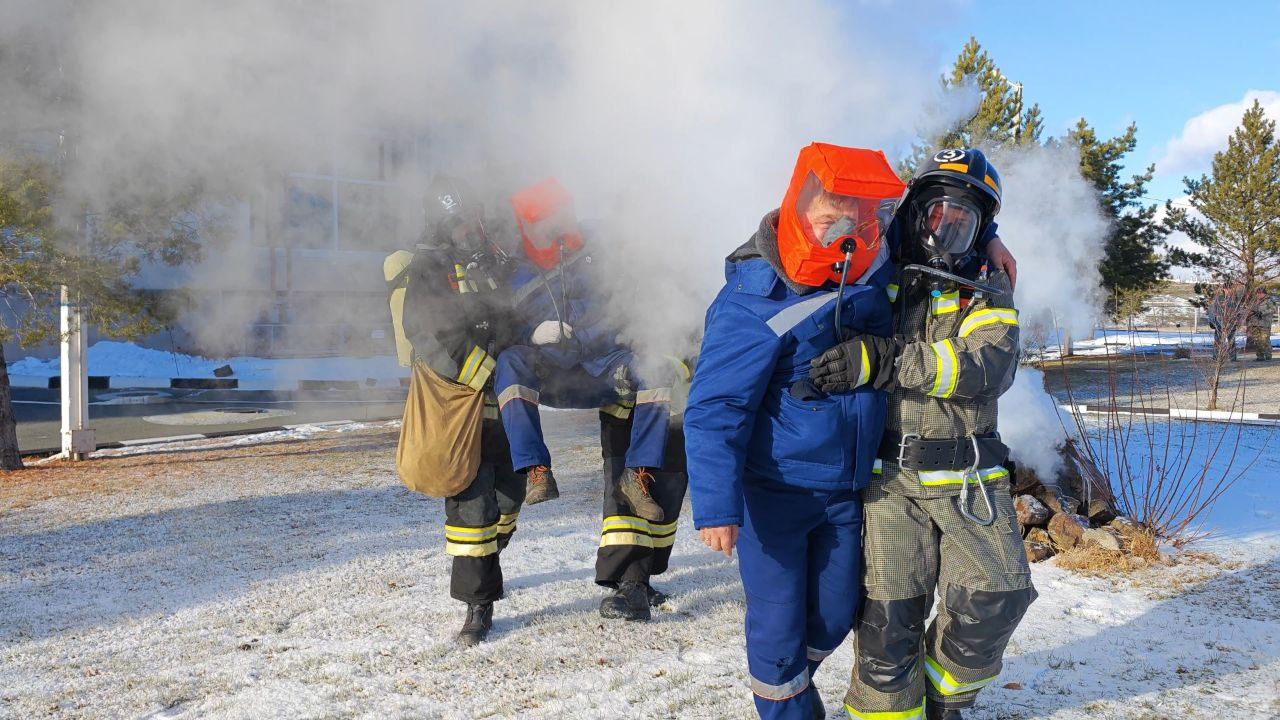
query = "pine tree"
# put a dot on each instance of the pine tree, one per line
(1132, 266)
(1001, 118)
(95, 256)
(1236, 223)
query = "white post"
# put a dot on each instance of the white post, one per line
(77, 441)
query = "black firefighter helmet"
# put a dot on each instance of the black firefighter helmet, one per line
(454, 215)
(953, 197)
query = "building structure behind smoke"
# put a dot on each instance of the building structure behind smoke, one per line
(297, 267)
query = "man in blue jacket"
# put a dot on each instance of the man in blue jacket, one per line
(768, 452)
(573, 358)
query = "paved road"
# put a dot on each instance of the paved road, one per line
(124, 414)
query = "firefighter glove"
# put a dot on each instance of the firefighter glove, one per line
(548, 333)
(862, 360)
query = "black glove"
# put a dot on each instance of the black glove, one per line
(862, 360)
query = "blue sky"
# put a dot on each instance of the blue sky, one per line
(1159, 64)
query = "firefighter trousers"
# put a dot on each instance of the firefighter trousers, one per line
(633, 549)
(915, 547)
(480, 521)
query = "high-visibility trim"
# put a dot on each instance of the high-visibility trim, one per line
(624, 522)
(945, 683)
(1007, 316)
(958, 167)
(663, 534)
(945, 303)
(786, 690)
(618, 410)
(625, 538)
(933, 478)
(476, 369)
(681, 366)
(656, 395)
(818, 655)
(491, 412)
(864, 372)
(892, 291)
(991, 182)
(471, 549)
(507, 523)
(789, 317)
(916, 713)
(877, 467)
(518, 392)
(948, 370)
(521, 294)
(470, 535)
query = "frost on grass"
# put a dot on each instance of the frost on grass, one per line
(298, 578)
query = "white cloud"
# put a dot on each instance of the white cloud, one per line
(1207, 133)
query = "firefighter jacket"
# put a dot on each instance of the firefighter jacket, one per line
(457, 319)
(960, 355)
(743, 423)
(574, 293)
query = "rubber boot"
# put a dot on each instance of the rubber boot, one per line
(541, 485)
(634, 487)
(629, 602)
(476, 627)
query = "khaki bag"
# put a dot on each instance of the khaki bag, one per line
(439, 450)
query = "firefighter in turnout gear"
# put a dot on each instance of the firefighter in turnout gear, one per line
(455, 315)
(939, 515)
(570, 356)
(775, 464)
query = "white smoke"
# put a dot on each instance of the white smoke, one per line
(1030, 424)
(676, 124)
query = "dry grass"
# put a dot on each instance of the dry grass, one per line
(1094, 561)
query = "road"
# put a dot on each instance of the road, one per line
(124, 414)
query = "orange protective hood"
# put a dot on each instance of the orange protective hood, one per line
(545, 214)
(864, 175)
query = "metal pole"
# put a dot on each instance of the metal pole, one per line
(77, 441)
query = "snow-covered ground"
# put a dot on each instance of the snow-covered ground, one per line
(297, 578)
(127, 360)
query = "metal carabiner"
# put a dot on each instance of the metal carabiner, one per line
(962, 503)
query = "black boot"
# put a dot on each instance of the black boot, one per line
(934, 711)
(656, 597)
(629, 602)
(819, 710)
(476, 627)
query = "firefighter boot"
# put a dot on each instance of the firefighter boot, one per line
(656, 597)
(542, 485)
(629, 602)
(939, 712)
(476, 627)
(634, 487)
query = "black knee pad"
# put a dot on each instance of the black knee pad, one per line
(889, 646)
(981, 623)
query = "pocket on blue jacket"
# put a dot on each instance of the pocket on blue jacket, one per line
(815, 432)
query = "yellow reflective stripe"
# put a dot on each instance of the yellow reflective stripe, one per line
(864, 372)
(507, 523)
(467, 534)
(955, 477)
(482, 373)
(946, 683)
(945, 303)
(912, 714)
(958, 167)
(656, 395)
(471, 364)
(948, 369)
(618, 410)
(471, 549)
(626, 538)
(892, 290)
(681, 366)
(624, 522)
(1008, 316)
(991, 182)
(877, 467)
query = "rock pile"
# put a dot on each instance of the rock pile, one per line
(1065, 514)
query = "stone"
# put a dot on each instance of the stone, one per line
(1038, 551)
(1056, 501)
(1066, 529)
(1031, 512)
(1101, 538)
(1039, 535)
(1124, 527)
(1101, 512)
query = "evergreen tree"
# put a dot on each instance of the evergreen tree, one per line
(1236, 224)
(1132, 266)
(96, 256)
(1001, 118)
